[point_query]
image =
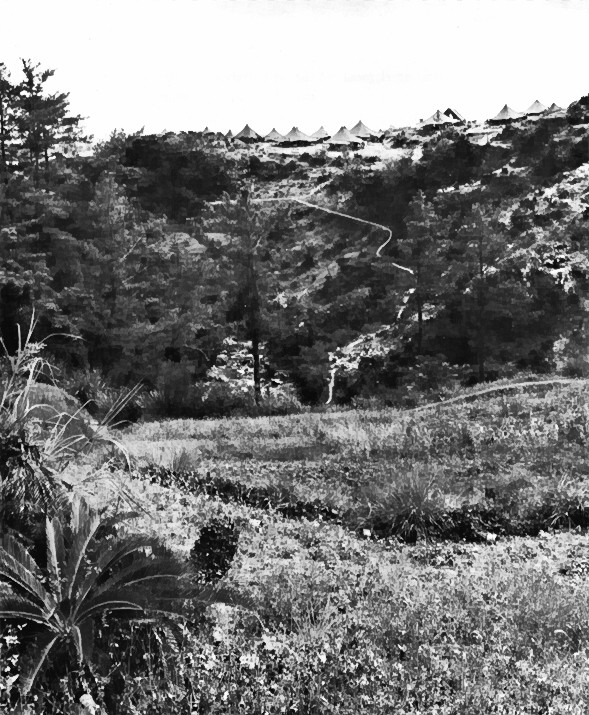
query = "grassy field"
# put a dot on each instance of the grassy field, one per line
(468, 619)
(519, 457)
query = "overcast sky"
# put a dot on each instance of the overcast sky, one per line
(184, 64)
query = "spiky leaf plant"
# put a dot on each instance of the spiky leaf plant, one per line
(37, 441)
(29, 486)
(87, 573)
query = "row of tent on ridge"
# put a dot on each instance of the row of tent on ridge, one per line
(507, 114)
(360, 133)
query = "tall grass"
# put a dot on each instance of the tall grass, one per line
(528, 421)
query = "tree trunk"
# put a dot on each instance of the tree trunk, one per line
(46, 159)
(253, 320)
(3, 168)
(257, 379)
(481, 347)
(36, 172)
(419, 301)
(419, 323)
(481, 332)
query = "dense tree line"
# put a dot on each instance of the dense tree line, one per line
(140, 254)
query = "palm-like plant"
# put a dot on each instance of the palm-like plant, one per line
(28, 484)
(86, 574)
(35, 448)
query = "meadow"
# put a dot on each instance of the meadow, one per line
(379, 561)
(443, 569)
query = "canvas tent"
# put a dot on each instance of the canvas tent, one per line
(453, 114)
(362, 131)
(507, 114)
(536, 108)
(554, 108)
(247, 134)
(296, 138)
(274, 136)
(344, 137)
(438, 119)
(320, 134)
(229, 135)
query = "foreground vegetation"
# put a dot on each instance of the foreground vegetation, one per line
(503, 463)
(231, 573)
(485, 272)
(346, 622)
(406, 557)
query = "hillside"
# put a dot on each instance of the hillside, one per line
(216, 540)
(428, 258)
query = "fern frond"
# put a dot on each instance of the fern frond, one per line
(15, 606)
(108, 560)
(28, 676)
(55, 555)
(107, 604)
(85, 522)
(18, 567)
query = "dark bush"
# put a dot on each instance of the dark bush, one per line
(578, 112)
(215, 549)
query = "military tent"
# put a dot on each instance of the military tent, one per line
(453, 114)
(344, 137)
(507, 114)
(296, 138)
(320, 134)
(247, 134)
(274, 136)
(536, 108)
(229, 135)
(362, 131)
(554, 108)
(438, 119)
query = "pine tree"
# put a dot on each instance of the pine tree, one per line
(247, 272)
(423, 251)
(43, 120)
(8, 99)
(477, 271)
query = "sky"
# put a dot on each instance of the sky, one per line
(185, 64)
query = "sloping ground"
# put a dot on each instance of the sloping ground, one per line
(507, 464)
(569, 196)
(348, 625)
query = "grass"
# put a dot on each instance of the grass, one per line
(506, 463)
(348, 625)
(430, 618)
(535, 420)
(345, 623)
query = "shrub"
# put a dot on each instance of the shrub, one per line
(88, 570)
(29, 485)
(82, 576)
(411, 510)
(175, 391)
(578, 112)
(215, 549)
(99, 398)
(180, 397)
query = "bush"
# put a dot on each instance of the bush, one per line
(578, 112)
(215, 549)
(314, 159)
(99, 398)
(179, 396)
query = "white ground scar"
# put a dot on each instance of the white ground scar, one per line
(348, 357)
